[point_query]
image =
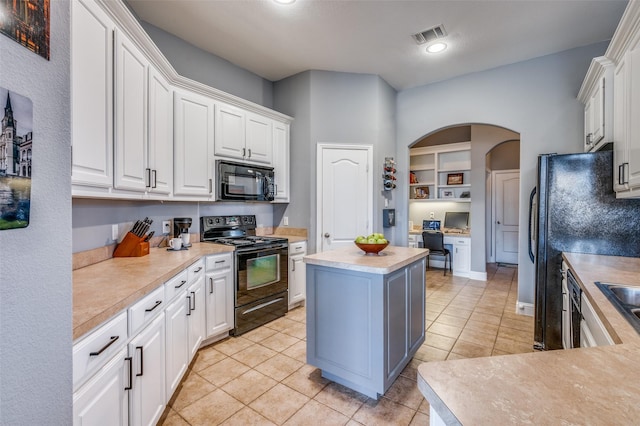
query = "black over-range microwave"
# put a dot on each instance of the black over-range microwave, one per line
(244, 182)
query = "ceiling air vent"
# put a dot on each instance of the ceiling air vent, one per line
(429, 35)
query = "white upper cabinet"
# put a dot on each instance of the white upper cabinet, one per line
(130, 116)
(242, 135)
(160, 165)
(281, 162)
(193, 144)
(91, 95)
(596, 94)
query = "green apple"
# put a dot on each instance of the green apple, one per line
(371, 241)
(382, 241)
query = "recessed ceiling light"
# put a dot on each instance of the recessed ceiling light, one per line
(436, 47)
(285, 1)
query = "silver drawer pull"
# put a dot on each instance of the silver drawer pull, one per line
(255, 308)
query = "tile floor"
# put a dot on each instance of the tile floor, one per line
(260, 378)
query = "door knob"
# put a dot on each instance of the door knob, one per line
(326, 235)
(498, 222)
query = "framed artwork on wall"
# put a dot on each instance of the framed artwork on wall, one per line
(455, 179)
(27, 23)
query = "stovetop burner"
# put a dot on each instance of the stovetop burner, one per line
(238, 231)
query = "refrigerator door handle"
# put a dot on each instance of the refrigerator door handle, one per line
(531, 224)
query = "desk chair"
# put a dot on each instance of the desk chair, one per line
(434, 241)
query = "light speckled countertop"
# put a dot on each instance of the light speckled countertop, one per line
(352, 258)
(577, 386)
(103, 289)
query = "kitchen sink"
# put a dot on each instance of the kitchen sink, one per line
(626, 299)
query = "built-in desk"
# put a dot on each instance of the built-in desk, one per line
(459, 245)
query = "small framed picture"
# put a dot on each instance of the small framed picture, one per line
(447, 194)
(455, 179)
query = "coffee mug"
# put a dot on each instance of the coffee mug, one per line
(186, 237)
(175, 243)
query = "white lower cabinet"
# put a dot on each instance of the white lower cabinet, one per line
(196, 316)
(219, 290)
(147, 395)
(104, 396)
(592, 331)
(177, 358)
(297, 273)
(461, 256)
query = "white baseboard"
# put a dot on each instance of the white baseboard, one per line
(479, 276)
(524, 309)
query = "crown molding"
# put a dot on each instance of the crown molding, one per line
(627, 31)
(599, 66)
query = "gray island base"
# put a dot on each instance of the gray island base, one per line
(365, 315)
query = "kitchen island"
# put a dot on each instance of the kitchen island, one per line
(597, 385)
(365, 314)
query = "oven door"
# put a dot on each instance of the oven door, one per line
(261, 273)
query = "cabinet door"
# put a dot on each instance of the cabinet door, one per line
(193, 129)
(91, 95)
(588, 134)
(147, 396)
(396, 309)
(259, 139)
(461, 258)
(230, 132)
(196, 313)
(297, 279)
(633, 138)
(220, 309)
(130, 115)
(104, 395)
(620, 109)
(177, 343)
(160, 170)
(597, 113)
(416, 305)
(281, 161)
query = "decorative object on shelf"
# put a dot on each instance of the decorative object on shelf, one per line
(455, 179)
(465, 194)
(447, 194)
(413, 178)
(389, 174)
(421, 192)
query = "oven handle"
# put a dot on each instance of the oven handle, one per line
(255, 308)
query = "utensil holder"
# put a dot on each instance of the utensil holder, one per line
(132, 246)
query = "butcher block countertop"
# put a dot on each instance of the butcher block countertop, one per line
(352, 258)
(103, 289)
(598, 385)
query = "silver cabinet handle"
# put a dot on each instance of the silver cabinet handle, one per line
(293, 265)
(249, 153)
(244, 152)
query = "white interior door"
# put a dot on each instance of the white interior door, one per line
(345, 194)
(507, 194)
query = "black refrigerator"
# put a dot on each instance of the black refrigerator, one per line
(573, 208)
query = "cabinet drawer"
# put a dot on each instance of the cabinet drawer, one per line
(297, 248)
(195, 271)
(145, 310)
(219, 261)
(94, 350)
(461, 241)
(175, 285)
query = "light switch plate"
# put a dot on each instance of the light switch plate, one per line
(166, 227)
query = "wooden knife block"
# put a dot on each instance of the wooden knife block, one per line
(132, 246)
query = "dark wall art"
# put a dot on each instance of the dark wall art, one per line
(27, 22)
(16, 145)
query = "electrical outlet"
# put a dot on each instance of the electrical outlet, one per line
(166, 227)
(114, 232)
(432, 215)
(285, 220)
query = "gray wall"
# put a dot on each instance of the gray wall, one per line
(536, 98)
(505, 156)
(35, 262)
(341, 108)
(194, 63)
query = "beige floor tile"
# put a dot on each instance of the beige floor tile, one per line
(458, 312)
(223, 371)
(279, 403)
(279, 342)
(484, 318)
(518, 325)
(498, 352)
(353, 423)
(259, 334)
(249, 386)
(307, 380)
(297, 314)
(281, 323)
(214, 408)
(431, 315)
(411, 370)
(174, 419)
(471, 350)
(297, 351)
(424, 407)
(427, 353)
(254, 355)
(483, 327)
(341, 398)
(518, 335)
(279, 367)
(299, 330)
(233, 345)
(192, 388)
(383, 412)
(246, 417)
(405, 391)
(478, 337)
(419, 419)
(315, 413)
(207, 357)
(512, 346)
(445, 330)
(438, 341)
(453, 356)
(451, 320)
